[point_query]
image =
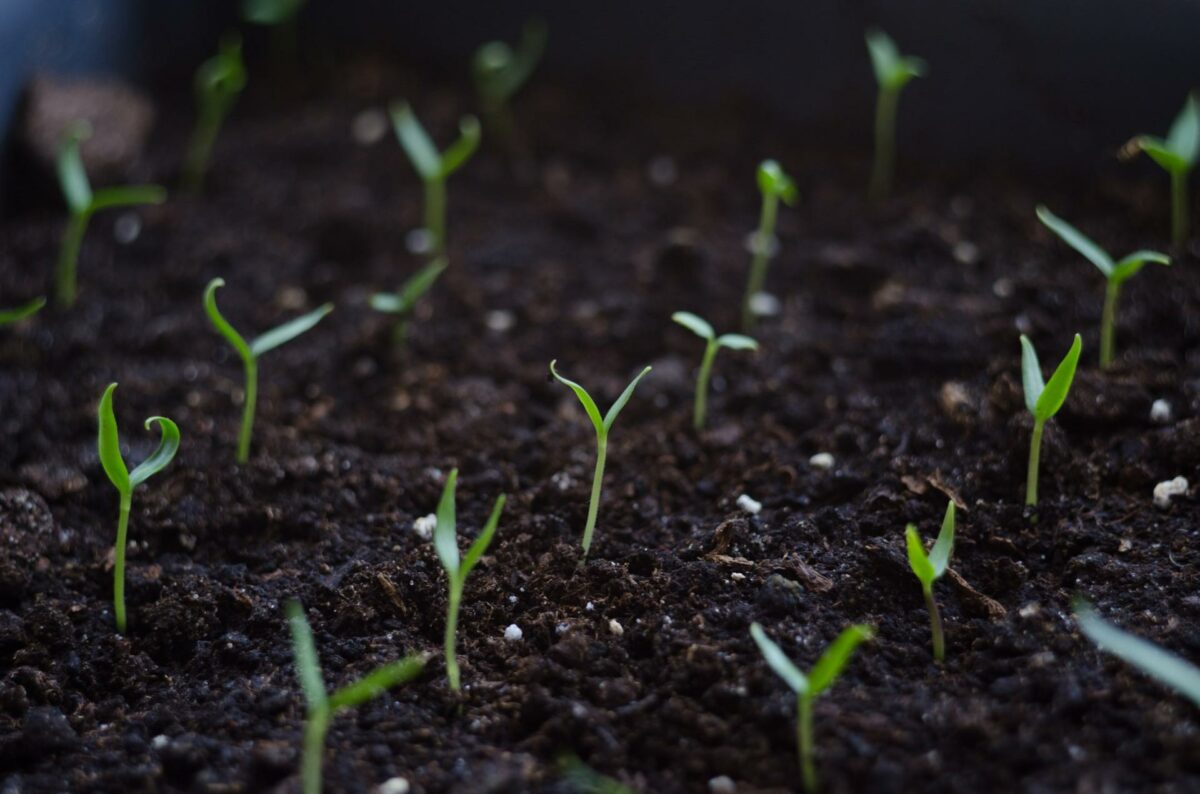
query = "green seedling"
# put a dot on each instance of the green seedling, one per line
(1177, 155)
(434, 167)
(809, 687)
(250, 352)
(219, 81)
(83, 203)
(109, 446)
(500, 71)
(403, 303)
(322, 705)
(1169, 669)
(281, 17)
(774, 185)
(892, 72)
(603, 426)
(445, 542)
(713, 343)
(1043, 400)
(929, 568)
(19, 313)
(582, 779)
(1115, 273)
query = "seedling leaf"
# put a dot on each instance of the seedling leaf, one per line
(585, 399)
(127, 196)
(695, 324)
(480, 546)
(168, 445)
(501, 70)
(1184, 136)
(1031, 375)
(939, 555)
(778, 661)
(1055, 392)
(377, 682)
(18, 313)
(457, 153)
(917, 559)
(270, 12)
(416, 142)
(1129, 267)
(1077, 240)
(892, 70)
(737, 342)
(616, 407)
(445, 535)
(221, 324)
(288, 331)
(109, 444)
(834, 659)
(308, 665)
(72, 177)
(772, 181)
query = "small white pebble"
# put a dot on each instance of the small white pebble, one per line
(966, 252)
(822, 460)
(749, 504)
(500, 320)
(1169, 488)
(127, 227)
(662, 171)
(159, 742)
(1160, 411)
(722, 784)
(737, 576)
(764, 304)
(369, 127)
(1003, 288)
(562, 481)
(561, 628)
(425, 525)
(590, 606)
(615, 628)
(513, 633)
(512, 599)
(419, 241)
(395, 785)
(1032, 609)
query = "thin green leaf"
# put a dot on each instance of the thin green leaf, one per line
(445, 534)
(918, 561)
(611, 416)
(1161, 153)
(695, 324)
(480, 546)
(1184, 137)
(304, 651)
(457, 153)
(772, 181)
(221, 324)
(1152, 660)
(221, 78)
(377, 682)
(737, 342)
(72, 177)
(422, 281)
(778, 661)
(1076, 239)
(836, 656)
(128, 196)
(589, 405)
(388, 303)
(288, 331)
(1031, 375)
(500, 71)
(1131, 265)
(1055, 393)
(270, 12)
(109, 444)
(18, 313)
(892, 70)
(168, 445)
(412, 136)
(939, 555)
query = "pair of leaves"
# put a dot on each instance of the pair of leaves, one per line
(445, 535)
(267, 341)
(222, 77)
(602, 425)
(704, 330)
(892, 70)
(18, 313)
(270, 12)
(418, 284)
(1044, 399)
(772, 181)
(109, 446)
(930, 567)
(77, 190)
(1117, 272)
(1179, 152)
(500, 70)
(433, 166)
(825, 671)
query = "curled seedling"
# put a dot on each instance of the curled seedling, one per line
(713, 343)
(603, 426)
(19, 313)
(775, 186)
(928, 568)
(1043, 399)
(250, 353)
(83, 203)
(403, 303)
(500, 70)
(808, 687)
(893, 71)
(219, 81)
(109, 446)
(322, 705)
(432, 166)
(1115, 273)
(1177, 155)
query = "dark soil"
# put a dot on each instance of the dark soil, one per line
(896, 352)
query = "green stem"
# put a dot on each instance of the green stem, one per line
(1179, 206)
(68, 258)
(935, 624)
(251, 366)
(1035, 451)
(435, 214)
(452, 671)
(314, 749)
(700, 409)
(119, 561)
(885, 144)
(762, 256)
(594, 505)
(804, 742)
(1108, 324)
(200, 150)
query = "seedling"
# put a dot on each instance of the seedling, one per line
(809, 687)
(434, 167)
(250, 352)
(83, 203)
(19, 313)
(929, 568)
(501, 70)
(445, 542)
(603, 426)
(1177, 155)
(109, 446)
(323, 705)
(219, 81)
(713, 343)
(280, 16)
(404, 303)
(582, 779)
(892, 72)
(1043, 400)
(1115, 273)
(774, 185)
(1169, 669)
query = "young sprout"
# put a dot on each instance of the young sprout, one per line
(892, 72)
(500, 71)
(603, 426)
(445, 542)
(280, 16)
(774, 185)
(929, 568)
(1116, 273)
(1043, 400)
(109, 446)
(1177, 155)
(809, 687)
(1152, 660)
(404, 302)
(18, 313)
(432, 166)
(219, 81)
(713, 343)
(250, 352)
(83, 203)
(323, 705)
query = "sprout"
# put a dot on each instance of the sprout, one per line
(83, 203)
(19, 313)
(109, 446)
(809, 687)
(219, 80)
(500, 71)
(322, 706)
(404, 303)
(892, 72)
(250, 352)
(929, 568)
(1043, 400)
(582, 779)
(1116, 273)
(1177, 155)
(432, 166)
(271, 12)
(603, 426)
(445, 542)
(774, 185)
(1152, 660)
(714, 343)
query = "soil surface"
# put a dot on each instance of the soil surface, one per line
(895, 351)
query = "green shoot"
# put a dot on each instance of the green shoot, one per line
(501, 70)
(892, 72)
(404, 303)
(929, 568)
(250, 352)
(219, 81)
(809, 687)
(19, 313)
(1115, 273)
(1043, 400)
(1152, 660)
(83, 203)
(603, 426)
(774, 185)
(1177, 155)
(434, 167)
(713, 343)
(109, 446)
(323, 705)
(585, 780)
(271, 12)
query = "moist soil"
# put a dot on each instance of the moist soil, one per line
(894, 351)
